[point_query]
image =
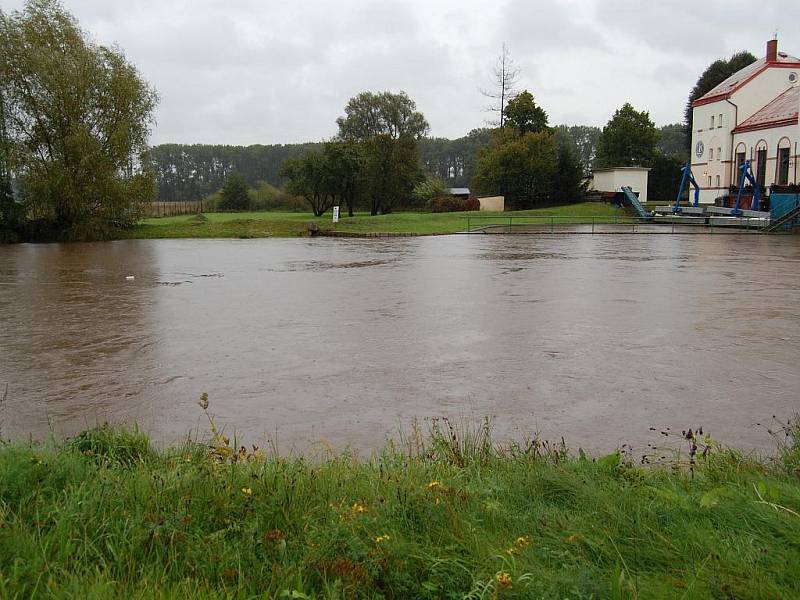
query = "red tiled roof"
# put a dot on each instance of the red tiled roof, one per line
(784, 110)
(738, 79)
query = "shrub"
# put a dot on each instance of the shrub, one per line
(268, 197)
(235, 194)
(454, 204)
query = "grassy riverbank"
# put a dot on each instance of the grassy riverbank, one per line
(282, 224)
(446, 515)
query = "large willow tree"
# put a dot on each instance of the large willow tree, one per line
(77, 120)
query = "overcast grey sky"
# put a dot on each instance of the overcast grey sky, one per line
(266, 71)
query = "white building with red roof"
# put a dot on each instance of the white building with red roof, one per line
(751, 115)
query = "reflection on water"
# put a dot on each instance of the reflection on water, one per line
(596, 338)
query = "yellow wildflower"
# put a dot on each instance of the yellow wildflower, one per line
(434, 484)
(522, 541)
(503, 579)
(359, 508)
(247, 491)
(382, 538)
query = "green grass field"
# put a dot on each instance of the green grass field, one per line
(281, 224)
(445, 514)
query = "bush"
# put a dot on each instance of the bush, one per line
(454, 204)
(268, 197)
(264, 197)
(235, 194)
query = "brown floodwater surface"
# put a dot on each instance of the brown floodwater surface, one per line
(596, 338)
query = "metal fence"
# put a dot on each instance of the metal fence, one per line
(520, 224)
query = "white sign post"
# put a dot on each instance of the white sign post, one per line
(335, 214)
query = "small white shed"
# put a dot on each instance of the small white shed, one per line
(612, 179)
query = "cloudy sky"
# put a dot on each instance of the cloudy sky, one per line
(277, 71)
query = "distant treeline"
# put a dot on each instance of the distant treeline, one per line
(192, 172)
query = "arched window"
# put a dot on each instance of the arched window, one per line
(718, 181)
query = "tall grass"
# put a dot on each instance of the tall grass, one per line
(441, 512)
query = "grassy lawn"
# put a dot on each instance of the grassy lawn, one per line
(446, 514)
(281, 224)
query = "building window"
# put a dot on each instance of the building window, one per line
(783, 166)
(719, 124)
(761, 166)
(717, 180)
(711, 154)
(712, 121)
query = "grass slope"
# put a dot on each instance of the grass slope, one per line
(281, 224)
(445, 516)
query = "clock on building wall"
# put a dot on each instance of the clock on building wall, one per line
(699, 149)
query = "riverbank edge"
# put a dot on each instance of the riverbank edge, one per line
(445, 513)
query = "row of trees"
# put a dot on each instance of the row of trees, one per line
(75, 119)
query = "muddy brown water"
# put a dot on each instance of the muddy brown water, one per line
(340, 341)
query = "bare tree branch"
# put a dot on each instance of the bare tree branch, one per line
(505, 76)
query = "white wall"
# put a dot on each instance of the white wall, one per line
(611, 180)
(493, 203)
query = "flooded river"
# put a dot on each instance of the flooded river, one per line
(596, 338)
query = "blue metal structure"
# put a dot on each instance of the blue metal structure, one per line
(631, 199)
(686, 179)
(747, 173)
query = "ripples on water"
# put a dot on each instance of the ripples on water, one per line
(597, 338)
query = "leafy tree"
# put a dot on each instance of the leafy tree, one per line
(235, 194)
(10, 211)
(524, 115)
(568, 180)
(78, 116)
(628, 140)
(308, 177)
(391, 171)
(519, 167)
(368, 115)
(505, 76)
(344, 164)
(715, 73)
